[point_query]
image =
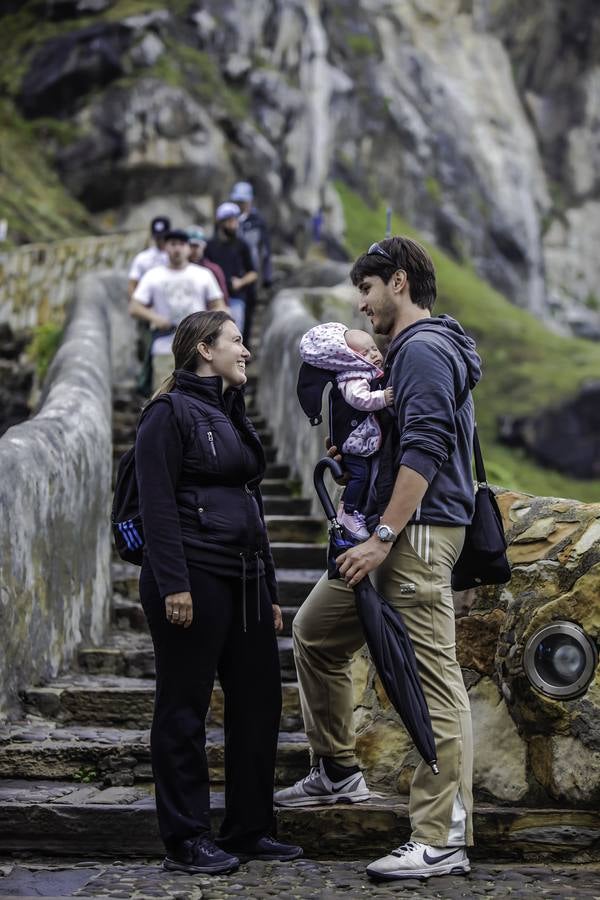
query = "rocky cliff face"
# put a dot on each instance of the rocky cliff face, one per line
(475, 119)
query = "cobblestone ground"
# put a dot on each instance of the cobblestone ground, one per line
(301, 879)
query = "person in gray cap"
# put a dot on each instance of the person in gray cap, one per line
(198, 241)
(254, 230)
(233, 254)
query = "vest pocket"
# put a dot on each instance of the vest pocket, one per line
(210, 450)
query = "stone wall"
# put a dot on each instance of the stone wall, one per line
(37, 280)
(530, 750)
(55, 495)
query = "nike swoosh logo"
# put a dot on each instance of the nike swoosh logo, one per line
(431, 860)
(344, 787)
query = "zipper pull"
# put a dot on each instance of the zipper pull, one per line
(211, 441)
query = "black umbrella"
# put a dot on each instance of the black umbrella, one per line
(388, 640)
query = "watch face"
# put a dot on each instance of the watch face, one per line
(384, 533)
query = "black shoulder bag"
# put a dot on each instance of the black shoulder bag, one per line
(483, 559)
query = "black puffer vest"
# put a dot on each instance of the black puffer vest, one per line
(223, 464)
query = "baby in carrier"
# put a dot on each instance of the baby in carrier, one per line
(349, 359)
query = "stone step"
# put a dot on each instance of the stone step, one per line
(275, 487)
(287, 506)
(85, 820)
(296, 528)
(130, 654)
(49, 750)
(127, 702)
(294, 585)
(128, 613)
(296, 555)
(276, 470)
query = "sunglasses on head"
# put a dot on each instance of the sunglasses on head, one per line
(377, 250)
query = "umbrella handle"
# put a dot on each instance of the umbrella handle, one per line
(336, 470)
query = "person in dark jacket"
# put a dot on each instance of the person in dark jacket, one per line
(228, 250)
(209, 592)
(420, 502)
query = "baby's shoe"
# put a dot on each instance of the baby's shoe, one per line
(354, 524)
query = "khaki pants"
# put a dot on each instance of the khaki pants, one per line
(415, 579)
(162, 366)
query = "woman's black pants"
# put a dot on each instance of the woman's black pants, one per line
(187, 660)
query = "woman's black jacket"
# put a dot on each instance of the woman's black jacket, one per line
(199, 462)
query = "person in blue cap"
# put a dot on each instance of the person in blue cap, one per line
(254, 230)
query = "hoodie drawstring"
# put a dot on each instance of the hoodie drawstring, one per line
(244, 590)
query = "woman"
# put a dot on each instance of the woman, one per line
(209, 593)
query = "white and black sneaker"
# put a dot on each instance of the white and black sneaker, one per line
(317, 789)
(416, 860)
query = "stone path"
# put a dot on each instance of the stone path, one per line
(302, 879)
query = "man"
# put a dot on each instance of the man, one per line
(233, 254)
(253, 229)
(169, 293)
(421, 500)
(198, 242)
(152, 256)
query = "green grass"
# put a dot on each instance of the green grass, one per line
(32, 198)
(526, 367)
(43, 346)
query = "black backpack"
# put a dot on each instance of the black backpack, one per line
(126, 521)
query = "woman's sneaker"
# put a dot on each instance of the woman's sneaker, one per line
(201, 856)
(317, 788)
(416, 860)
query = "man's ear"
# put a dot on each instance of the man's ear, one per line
(399, 280)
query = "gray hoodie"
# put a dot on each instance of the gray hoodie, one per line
(432, 366)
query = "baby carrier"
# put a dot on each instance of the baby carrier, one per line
(313, 379)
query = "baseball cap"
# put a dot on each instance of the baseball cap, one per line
(177, 234)
(242, 192)
(160, 225)
(227, 211)
(196, 235)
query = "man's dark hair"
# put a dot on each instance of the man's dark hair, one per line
(387, 256)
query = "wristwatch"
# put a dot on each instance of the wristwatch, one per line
(385, 533)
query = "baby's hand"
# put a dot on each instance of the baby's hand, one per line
(389, 396)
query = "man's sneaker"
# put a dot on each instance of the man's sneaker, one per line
(416, 860)
(202, 856)
(354, 524)
(267, 848)
(317, 789)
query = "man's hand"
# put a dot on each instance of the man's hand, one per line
(332, 451)
(237, 283)
(277, 618)
(161, 324)
(356, 563)
(179, 609)
(389, 396)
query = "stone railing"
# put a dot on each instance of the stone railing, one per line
(530, 750)
(55, 496)
(37, 281)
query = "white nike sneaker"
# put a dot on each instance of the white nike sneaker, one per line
(317, 789)
(416, 860)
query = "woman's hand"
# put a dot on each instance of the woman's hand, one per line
(277, 618)
(333, 453)
(179, 609)
(356, 563)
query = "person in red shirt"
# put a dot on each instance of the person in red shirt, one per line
(198, 241)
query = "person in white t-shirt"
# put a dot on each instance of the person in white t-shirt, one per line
(167, 294)
(152, 256)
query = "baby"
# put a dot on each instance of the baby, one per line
(354, 357)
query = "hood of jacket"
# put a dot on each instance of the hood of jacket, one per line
(455, 335)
